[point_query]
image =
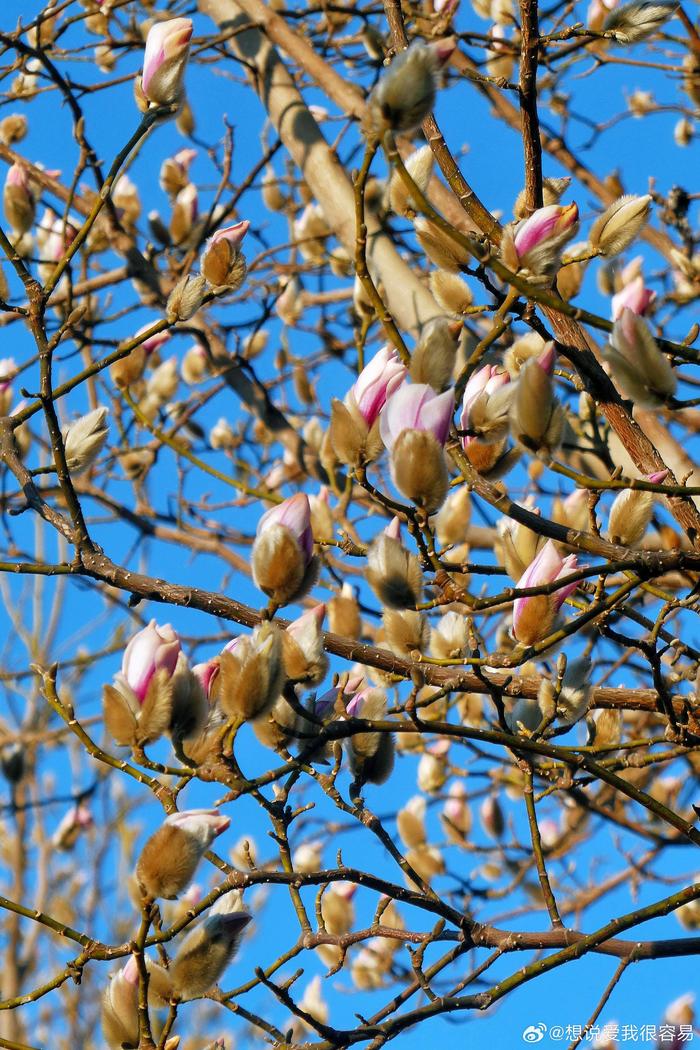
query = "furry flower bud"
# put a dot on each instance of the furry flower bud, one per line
(537, 418)
(84, 439)
(414, 426)
(393, 573)
(151, 650)
(635, 296)
(642, 371)
(222, 263)
(186, 298)
(434, 357)
(354, 432)
(206, 952)
(538, 241)
(170, 857)
(18, 199)
(486, 404)
(251, 673)
(302, 643)
(283, 562)
(617, 227)
(138, 708)
(638, 20)
(164, 60)
(631, 513)
(405, 93)
(534, 616)
(371, 754)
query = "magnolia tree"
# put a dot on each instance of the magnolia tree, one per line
(408, 467)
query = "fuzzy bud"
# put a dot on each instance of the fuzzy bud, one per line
(18, 199)
(164, 60)
(410, 822)
(251, 674)
(444, 251)
(222, 263)
(405, 93)
(304, 658)
(206, 952)
(631, 513)
(84, 439)
(393, 573)
(283, 562)
(537, 418)
(534, 616)
(433, 359)
(170, 857)
(371, 754)
(642, 371)
(638, 20)
(618, 226)
(420, 167)
(186, 298)
(537, 242)
(407, 632)
(450, 292)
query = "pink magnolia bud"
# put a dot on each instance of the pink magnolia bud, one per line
(376, 382)
(164, 60)
(154, 342)
(170, 856)
(635, 296)
(304, 658)
(77, 819)
(416, 406)
(533, 616)
(222, 262)
(152, 649)
(538, 240)
(18, 199)
(206, 672)
(293, 514)
(485, 405)
(283, 562)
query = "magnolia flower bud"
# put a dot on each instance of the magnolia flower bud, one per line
(427, 862)
(631, 513)
(405, 93)
(272, 195)
(354, 432)
(18, 199)
(13, 128)
(164, 60)
(337, 909)
(174, 171)
(251, 673)
(537, 418)
(371, 754)
(638, 20)
(450, 292)
(617, 227)
(414, 426)
(190, 709)
(12, 763)
(608, 727)
(634, 296)
(206, 952)
(552, 191)
(643, 372)
(119, 1013)
(410, 822)
(344, 613)
(184, 215)
(321, 513)
(170, 857)
(516, 546)
(304, 658)
(456, 816)
(222, 435)
(442, 250)
(420, 167)
(537, 242)
(393, 573)
(283, 562)
(138, 708)
(572, 512)
(313, 1004)
(407, 632)
(448, 638)
(492, 820)
(683, 132)
(195, 365)
(526, 714)
(164, 381)
(434, 357)
(452, 520)
(84, 439)
(222, 263)
(486, 403)
(534, 616)
(433, 768)
(75, 821)
(186, 298)
(574, 695)
(308, 857)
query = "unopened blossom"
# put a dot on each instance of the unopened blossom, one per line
(354, 431)
(638, 20)
(222, 262)
(169, 858)
(13, 128)
(517, 545)
(18, 197)
(534, 616)
(282, 560)
(492, 819)
(222, 435)
(635, 296)
(84, 439)
(393, 573)
(164, 60)
(632, 511)
(206, 951)
(308, 857)
(414, 425)
(553, 189)
(537, 241)
(452, 520)
(618, 226)
(449, 636)
(456, 814)
(371, 753)
(640, 369)
(75, 821)
(174, 171)
(433, 767)
(410, 822)
(8, 369)
(435, 354)
(186, 298)
(138, 708)
(537, 418)
(419, 166)
(486, 404)
(304, 657)
(251, 673)
(450, 292)
(184, 214)
(405, 93)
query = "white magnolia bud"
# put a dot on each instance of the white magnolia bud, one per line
(618, 226)
(83, 440)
